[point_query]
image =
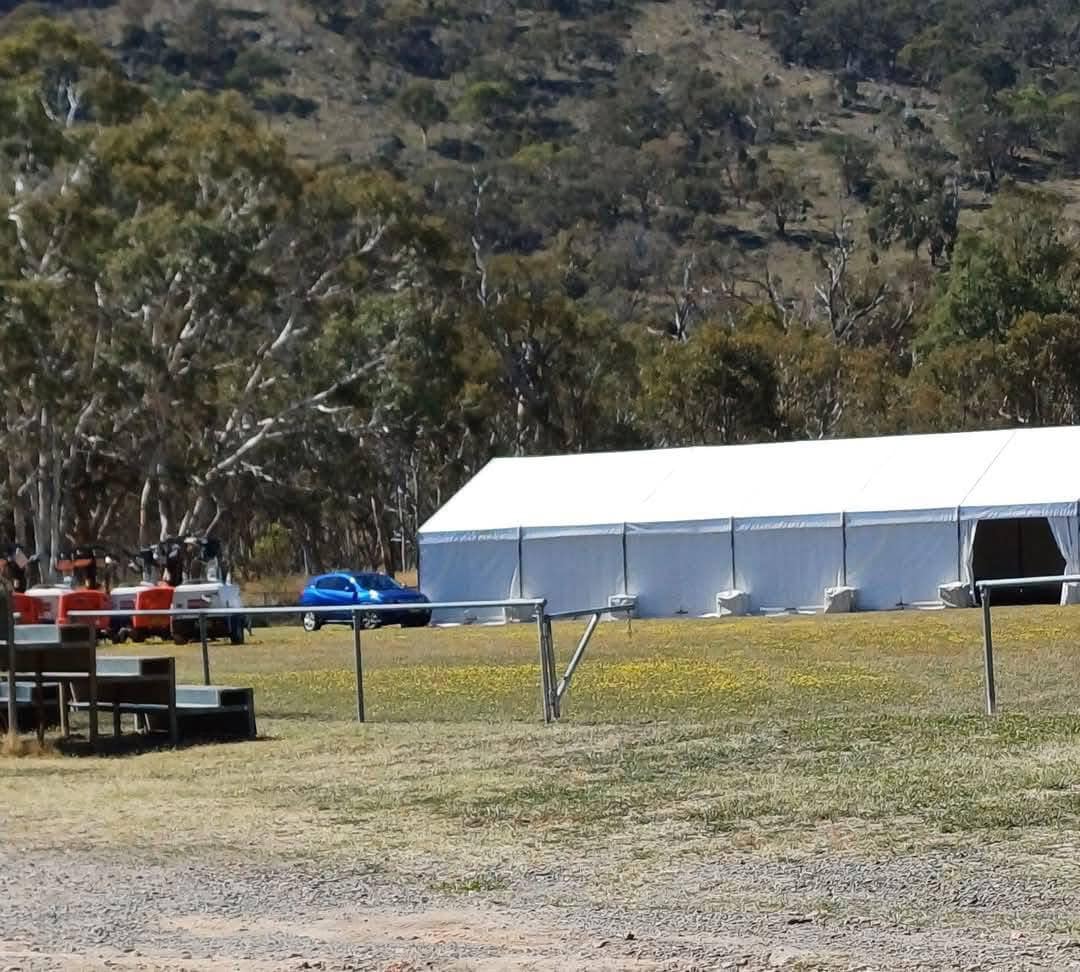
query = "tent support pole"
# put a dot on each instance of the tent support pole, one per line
(625, 565)
(521, 566)
(1069, 568)
(732, 587)
(959, 547)
(843, 546)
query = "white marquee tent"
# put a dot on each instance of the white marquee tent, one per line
(895, 518)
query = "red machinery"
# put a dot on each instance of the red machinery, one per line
(149, 595)
(79, 592)
(15, 564)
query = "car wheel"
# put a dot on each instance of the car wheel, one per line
(311, 621)
(369, 620)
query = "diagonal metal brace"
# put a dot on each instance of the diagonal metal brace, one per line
(552, 692)
(575, 660)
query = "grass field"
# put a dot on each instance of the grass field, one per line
(749, 726)
(857, 737)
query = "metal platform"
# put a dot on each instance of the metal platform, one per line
(24, 692)
(133, 666)
(211, 712)
(212, 696)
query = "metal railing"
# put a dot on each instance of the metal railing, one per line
(985, 587)
(203, 614)
(552, 691)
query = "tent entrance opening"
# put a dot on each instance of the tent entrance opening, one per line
(1022, 547)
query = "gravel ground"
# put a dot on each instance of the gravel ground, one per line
(958, 910)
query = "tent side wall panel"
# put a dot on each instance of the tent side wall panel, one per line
(469, 569)
(900, 563)
(573, 571)
(788, 566)
(677, 573)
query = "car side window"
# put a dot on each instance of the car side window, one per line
(333, 584)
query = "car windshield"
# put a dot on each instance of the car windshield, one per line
(376, 582)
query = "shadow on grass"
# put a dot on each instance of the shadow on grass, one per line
(133, 744)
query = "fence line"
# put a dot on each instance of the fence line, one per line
(985, 588)
(553, 689)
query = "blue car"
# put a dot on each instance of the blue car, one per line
(352, 591)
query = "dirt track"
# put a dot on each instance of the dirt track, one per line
(110, 913)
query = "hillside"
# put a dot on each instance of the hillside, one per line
(338, 253)
(721, 138)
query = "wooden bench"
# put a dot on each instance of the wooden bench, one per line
(64, 665)
(67, 652)
(201, 711)
(133, 684)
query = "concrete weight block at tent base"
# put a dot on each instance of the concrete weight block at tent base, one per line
(732, 604)
(839, 600)
(955, 595)
(1070, 593)
(620, 601)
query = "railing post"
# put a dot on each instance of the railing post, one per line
(12, 666)
(359, 663)
(549, 648)
(546, 675)
(988, 653)
(205, 650)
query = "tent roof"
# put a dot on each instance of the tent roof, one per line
(1033, 472)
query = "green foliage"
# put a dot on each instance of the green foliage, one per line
(256, 331)
(717, 388)
(253, 66)
(487, 102)
(1043, 357)
(981, 53)
(199, 33)
(854, 157)
(956, 386)
(273, 552)
(927, 40)
(158, 274)
(282, 102)
(783, 196)
(1021, 264)
(420, 103)
(917, 211)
